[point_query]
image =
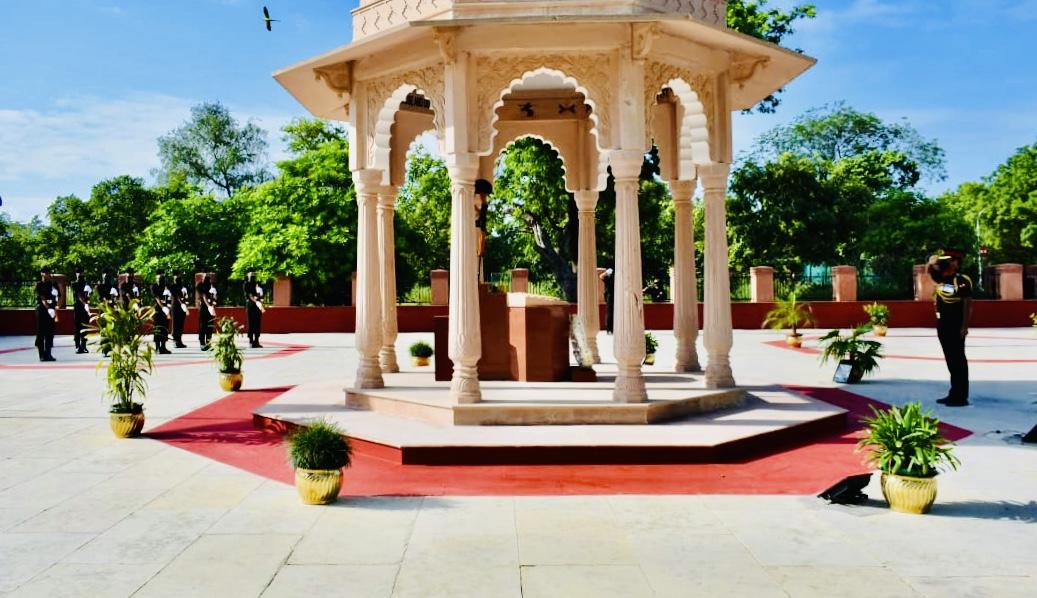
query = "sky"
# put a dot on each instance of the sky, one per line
(86, 87)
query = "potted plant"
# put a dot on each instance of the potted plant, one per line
(1033, 318)
(789, 314)
(420, 353)
(905, 444)
(860, 356)
(651, 345)
(227, 355)
(117, 332)
(878, 317)
(318, 453)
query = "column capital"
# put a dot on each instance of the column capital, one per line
(586, 201)
(626, 164)
(387, 196)
(367, 180)
(463, 167)
(682, 190)
(714, 176)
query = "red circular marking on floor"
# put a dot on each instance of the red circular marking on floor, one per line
(223, 431)
(815, 351)
(287, 349)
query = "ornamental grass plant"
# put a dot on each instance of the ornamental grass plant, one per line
(320, 445)
(906, 441)
(421, 350)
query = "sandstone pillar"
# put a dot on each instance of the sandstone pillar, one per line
(718, 334)
(1010, 282)
(629, 332)
(762, 282)
(520, 280)
(465, 340)
(844, 283)
(440, 291)
(387, 273)
(683, 289)
(282, 291)
(368, 295)
(587, 280)
(60, 282)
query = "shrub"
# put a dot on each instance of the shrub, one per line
(789, 314)
(117, 333)
(320, 445)
(225, 346)
(421, 349)
(651, 344)
(864, 354)
(877, 313)
(906, 441)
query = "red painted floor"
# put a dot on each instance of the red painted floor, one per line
(223, 431)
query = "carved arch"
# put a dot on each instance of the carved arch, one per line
(501, 146)
(694, 129)
(384, 96)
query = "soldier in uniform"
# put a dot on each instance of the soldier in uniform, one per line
(107, 289)
(206, 293)
(254, 308)
(46, 315)
(81, 290)
(953, 296)
(483, 191)
(129, 290)
(181, 301)
(163, 299)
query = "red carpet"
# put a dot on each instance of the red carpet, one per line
(223, 431)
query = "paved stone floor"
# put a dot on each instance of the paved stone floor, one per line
(82, 514)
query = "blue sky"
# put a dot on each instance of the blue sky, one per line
(87, 86)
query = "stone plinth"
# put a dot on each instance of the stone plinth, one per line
(520, 280)
(844, 283)
(762, 284)
(924, 285)
(282, 291)
(1010, 282)
(440, 281)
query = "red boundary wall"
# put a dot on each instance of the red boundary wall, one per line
(658, 316)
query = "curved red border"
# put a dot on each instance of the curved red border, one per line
(814, 351)
(287, 349)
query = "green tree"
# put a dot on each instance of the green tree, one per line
(422, 220)
(17, 248)
(213, 151)
(752, 17)
(303, 223)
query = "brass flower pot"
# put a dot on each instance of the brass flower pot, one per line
(420, 362)
(908, 494)
(318, 486)
(879, 330)
(229, 381)
(126, 425)
(650, 359)
(794, 340)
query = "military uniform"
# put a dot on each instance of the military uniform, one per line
(163, 298)
(253, 292)
(181, 300)
(81, 291)
(951, 295)
(207, 298)
(46, 317)
(107, 290)
(129, 290)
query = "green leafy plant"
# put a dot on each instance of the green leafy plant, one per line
(421, 349)
(1033, 317)
(225, 346)
(118, 332)
(906, 441)
(877, 313)
(320, 445)
(789, 314)
(864, 354)
(651, 343)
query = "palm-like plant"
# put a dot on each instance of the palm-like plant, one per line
(906, 441)
(118, 332)
(225, 346)
(863, 354)
(789, 314)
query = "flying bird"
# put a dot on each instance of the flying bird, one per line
(268, 20)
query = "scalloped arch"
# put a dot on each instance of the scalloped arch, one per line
(512, 139)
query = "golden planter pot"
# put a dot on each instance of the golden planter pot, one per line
(908, 494)
(126, 425)
(229, 382)
(650, 359)
(318, 486)
(420, 362)
(879, 330)
(794, 340)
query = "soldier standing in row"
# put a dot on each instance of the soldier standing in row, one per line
(163, 299)
(81, 290)
(254, 308)
(181, 299)
(129, 290)
(46, 315)
(107, 289)
(206, 293)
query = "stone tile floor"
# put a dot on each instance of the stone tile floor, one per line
(82, 514)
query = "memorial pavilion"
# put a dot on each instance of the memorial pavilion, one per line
(601, 81)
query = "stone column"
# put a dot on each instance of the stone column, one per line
(465, 340)
(762, 282)
(519, 280)
(587, 271)
(368, 294)
(629, 331)
(440, 287)
(387, 272)
(684, 285)
(844, 283)
(718, 336)
(282, 291)
(1010, 282)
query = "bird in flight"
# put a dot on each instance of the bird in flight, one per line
(268, 20)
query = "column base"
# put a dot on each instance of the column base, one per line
(369, 374)
(592, 344)
(718, 375)
(464, 386)
(687, 366)
(630, 386)
(387, 360)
